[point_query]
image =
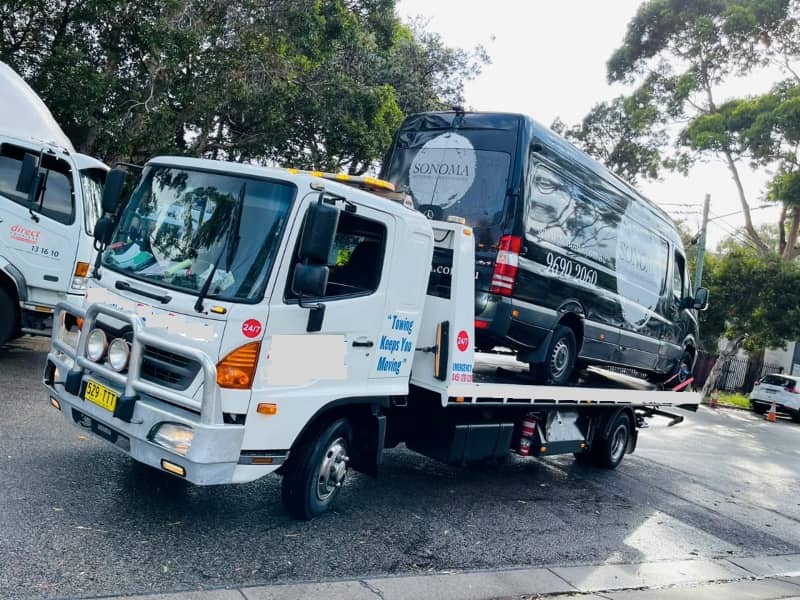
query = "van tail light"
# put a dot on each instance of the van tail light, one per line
(505, 268)
(792, 389)
(237, 370)
(757, 383)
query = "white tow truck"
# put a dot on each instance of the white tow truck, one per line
(49, 202)
(244, 320)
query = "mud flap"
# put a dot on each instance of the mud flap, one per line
(368, 441)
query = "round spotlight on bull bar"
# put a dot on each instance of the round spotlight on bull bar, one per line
(96, 345)
(119, 352)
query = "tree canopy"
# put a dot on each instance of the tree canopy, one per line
(675, 56)
(315, 83)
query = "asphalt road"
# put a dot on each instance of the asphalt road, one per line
(78, 518)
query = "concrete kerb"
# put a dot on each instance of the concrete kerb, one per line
(518, 582)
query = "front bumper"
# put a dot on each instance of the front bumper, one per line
(215, 451)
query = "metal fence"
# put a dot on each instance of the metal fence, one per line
(736, 374)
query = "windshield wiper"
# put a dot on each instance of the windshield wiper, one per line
(229, 248)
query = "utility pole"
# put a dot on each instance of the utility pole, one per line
(701, 250)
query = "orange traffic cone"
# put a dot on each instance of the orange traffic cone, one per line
(714, 399)
(772, 414)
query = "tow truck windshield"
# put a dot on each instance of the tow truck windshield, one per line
(176, 226)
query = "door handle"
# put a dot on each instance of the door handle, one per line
(363, 344)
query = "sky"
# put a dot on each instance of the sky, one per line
(549, 60)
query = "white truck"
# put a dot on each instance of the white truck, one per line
(245, 320)
(49, 202)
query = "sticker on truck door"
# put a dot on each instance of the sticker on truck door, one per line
(30, 241)
(395, 346)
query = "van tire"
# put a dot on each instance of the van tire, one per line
(559, 360)
(305, 488)
(607, 452)
(9, 327)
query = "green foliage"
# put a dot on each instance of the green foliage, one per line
(315, 83)
(753, 294)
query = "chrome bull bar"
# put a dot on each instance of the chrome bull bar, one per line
(210, 404)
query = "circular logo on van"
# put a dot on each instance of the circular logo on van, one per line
(462, 341)
(443, 170)
(251, 328)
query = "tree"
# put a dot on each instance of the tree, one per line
(751, 293)
(677, 54)
(319, 84)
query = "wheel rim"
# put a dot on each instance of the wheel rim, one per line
(559, 359)
(618, 443)
(332, 469)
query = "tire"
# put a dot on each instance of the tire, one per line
(560, 358)
(607, 452)
(316, 470)
(759, 409)
(9, 325)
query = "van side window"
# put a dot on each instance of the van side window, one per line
(58, 202)
(356, 262)
(677, 276)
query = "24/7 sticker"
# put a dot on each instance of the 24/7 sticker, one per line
(251, 328)
(462, 341)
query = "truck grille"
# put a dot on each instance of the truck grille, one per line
(167, 368)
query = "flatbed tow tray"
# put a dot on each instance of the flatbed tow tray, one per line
(499, 379)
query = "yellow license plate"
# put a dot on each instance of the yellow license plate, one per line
(100, 395)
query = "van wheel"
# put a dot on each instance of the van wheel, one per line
(316, 471)
(8, 326)
(607, 452)
(559, 359)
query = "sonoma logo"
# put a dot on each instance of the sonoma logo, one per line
(21, 234)
(452, 169)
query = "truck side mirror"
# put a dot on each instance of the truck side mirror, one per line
(112, 190)
(27, 174)
(310, 280)
(103, 230)
(700, 299)
(316, 241)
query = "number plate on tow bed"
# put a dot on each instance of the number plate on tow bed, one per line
(100, 395)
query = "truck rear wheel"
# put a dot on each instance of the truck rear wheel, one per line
(9, 325)
(607, 452)
(316, 471)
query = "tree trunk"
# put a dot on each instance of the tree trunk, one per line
(748, 221)
(790, 250)
(731, 349)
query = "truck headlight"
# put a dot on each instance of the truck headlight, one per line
(118, 354)
(96, 345)
(173, 436)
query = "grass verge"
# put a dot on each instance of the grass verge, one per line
(734, 400)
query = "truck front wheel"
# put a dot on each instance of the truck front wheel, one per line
(316, 470)
(607, 452)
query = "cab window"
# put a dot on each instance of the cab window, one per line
(356, 261)
(57, 202)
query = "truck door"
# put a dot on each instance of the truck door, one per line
(342, 353)
(41, 241)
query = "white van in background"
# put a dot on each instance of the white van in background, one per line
(49, 201)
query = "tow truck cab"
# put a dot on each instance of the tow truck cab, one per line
(49, 202)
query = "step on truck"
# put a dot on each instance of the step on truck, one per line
(242, 320)
(49, 203)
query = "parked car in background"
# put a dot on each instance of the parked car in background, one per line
(781, 389)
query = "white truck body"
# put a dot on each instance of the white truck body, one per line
(394, 364)
(44, 247)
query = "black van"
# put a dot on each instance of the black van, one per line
(573, 264)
